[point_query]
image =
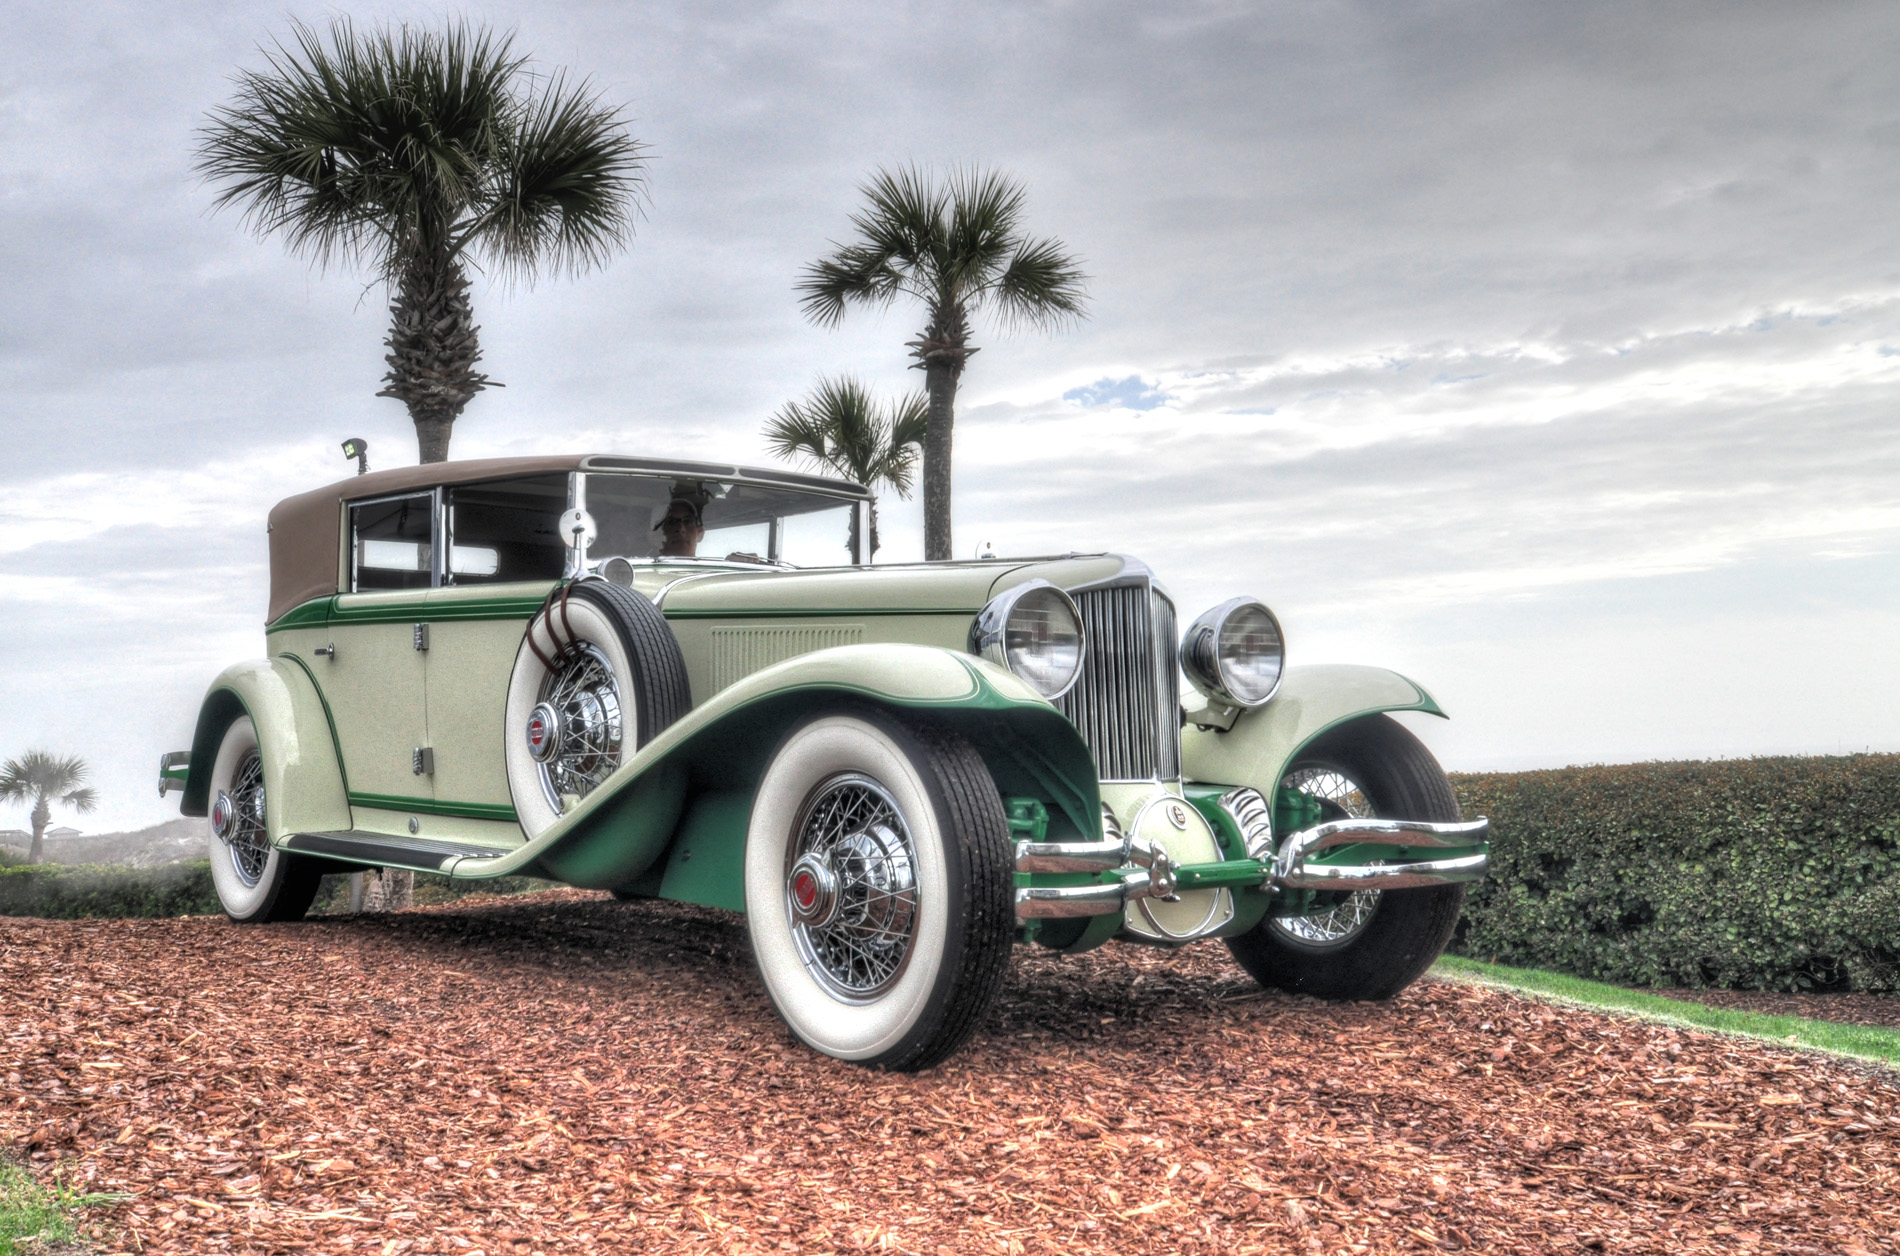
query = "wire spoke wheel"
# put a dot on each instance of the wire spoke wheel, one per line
(249, 840)
(584, 698)
(851, 886)
(1340, 798)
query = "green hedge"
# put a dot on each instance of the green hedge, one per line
(1771, 873)
(70, 891)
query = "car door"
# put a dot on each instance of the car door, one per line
(503, 553)
(375, 680)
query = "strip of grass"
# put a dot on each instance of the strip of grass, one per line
(1863, 1042)
(29, 1211)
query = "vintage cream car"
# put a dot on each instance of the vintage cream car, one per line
(676, 680)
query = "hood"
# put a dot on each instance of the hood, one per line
(944, 588)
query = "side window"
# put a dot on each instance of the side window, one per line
(391, 544)
(507, 530)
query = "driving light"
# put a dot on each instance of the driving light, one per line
(1035, 632)
(1235, 653)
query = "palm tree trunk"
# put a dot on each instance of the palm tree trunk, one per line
(433, 348)
(940, 384)
(870, 555)
(41, 816)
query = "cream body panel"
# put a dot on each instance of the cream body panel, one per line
(721, 652)
(942, 587)
(375, 687)
(1256, 750)
(468, 665)
(302, 782)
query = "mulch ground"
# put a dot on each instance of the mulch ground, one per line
(1845, 1007)
(563, 1072)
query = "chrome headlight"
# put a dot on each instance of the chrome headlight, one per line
(1035, 631)
(1235, 653)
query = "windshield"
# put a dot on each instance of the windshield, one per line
(643, 519)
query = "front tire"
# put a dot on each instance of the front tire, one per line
(879, 889)
(1373, 944)
(256, 882)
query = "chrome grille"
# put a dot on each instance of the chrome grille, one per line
(1126, 703)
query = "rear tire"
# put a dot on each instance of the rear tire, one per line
(890, 949)
(1386, 943)
(256, 882)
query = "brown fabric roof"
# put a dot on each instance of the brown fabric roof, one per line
(306, 531)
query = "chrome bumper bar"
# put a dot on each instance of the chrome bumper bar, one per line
(1291, 870)
(1143, 871)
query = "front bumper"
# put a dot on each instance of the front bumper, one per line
(1142, 871)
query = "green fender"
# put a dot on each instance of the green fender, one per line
(672, 820)
(1257, 749)
(302, 778)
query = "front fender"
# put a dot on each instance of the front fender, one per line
(694, 782)
(302, 778)
(1262, 742)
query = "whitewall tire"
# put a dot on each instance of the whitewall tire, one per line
(255, 881)
(618, 680)
(879, 888)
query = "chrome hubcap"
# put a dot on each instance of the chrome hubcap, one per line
(237, 820)
(851, 888)
(1353, 912)
(574, 733)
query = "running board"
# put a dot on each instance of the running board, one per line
(419, 853)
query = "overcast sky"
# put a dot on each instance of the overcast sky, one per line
(1547, 353)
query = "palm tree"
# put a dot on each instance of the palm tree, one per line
(841, 428)
(418, 155)
(46, 779)
(956, 247)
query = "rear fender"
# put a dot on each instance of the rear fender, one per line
(1262, 742)
(302, 778)
(689, 790)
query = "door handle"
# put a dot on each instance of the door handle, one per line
(326, 651)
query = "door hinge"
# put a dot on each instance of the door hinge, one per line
(422, 636)
(422, 760)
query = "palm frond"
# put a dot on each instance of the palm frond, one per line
(955, 244)
(570, 184)
(82, 800)
(798, 431)
(41, 774)
(839, 427)
(1042, 285)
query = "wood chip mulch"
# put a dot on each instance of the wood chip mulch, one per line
(565, 1073)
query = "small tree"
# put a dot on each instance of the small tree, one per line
(842, 429)
(416, 154)
(957, 248)
(46, 779)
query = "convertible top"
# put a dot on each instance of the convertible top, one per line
(306, 531)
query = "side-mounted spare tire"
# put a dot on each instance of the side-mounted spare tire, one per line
(1371, 944)
(598, 675)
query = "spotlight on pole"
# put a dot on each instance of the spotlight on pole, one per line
(358, 448)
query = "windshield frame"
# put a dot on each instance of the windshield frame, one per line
(584, 562)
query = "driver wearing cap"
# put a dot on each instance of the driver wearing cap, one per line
(681, 529)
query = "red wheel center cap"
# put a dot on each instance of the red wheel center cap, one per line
(805, 889)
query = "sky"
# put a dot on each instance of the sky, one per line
(1545, 353)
